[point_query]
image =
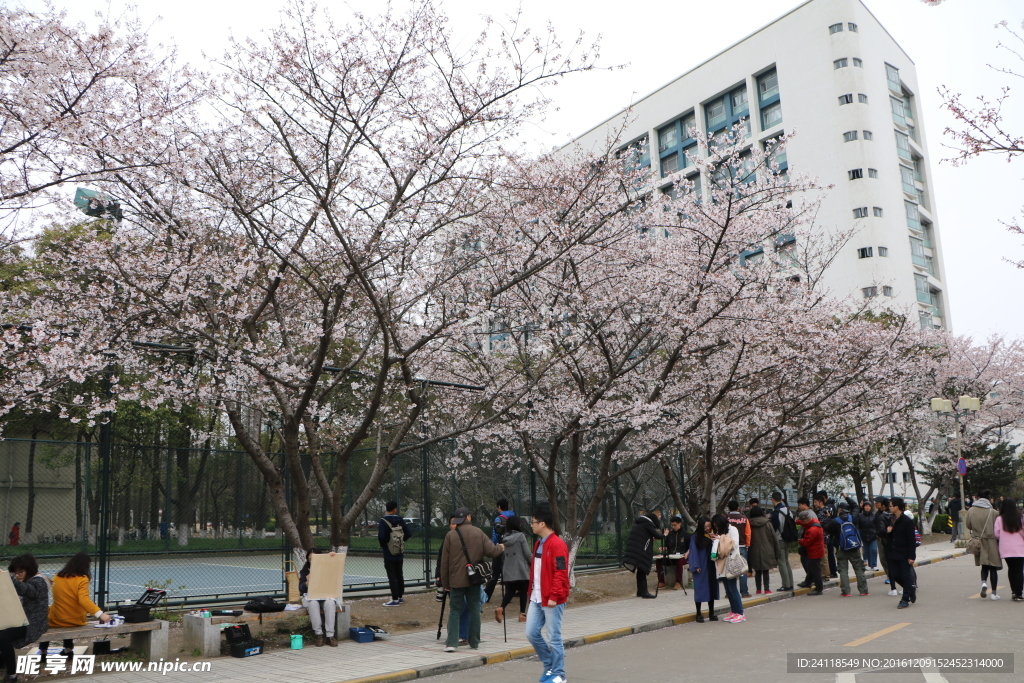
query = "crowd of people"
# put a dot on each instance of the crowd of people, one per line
(71, 606)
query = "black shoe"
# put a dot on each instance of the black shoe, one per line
(784, 589)
(903, 605)
(913, 598)
(713, 617)
(804, 584)
(648, 596)
(815, 593)
(699, 619)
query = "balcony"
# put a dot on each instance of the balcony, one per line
(924, 297)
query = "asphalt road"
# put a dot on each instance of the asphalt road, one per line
(948, 619)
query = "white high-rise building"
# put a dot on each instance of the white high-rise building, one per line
(829, 72)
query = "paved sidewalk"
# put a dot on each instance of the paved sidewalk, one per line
(417, 655)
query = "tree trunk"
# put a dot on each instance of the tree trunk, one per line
(30, 513)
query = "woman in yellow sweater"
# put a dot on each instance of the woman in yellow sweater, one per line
(71, 602)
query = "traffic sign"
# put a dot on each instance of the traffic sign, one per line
(961, 466)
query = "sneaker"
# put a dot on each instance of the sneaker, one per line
(844, 595)
(863, 594)
(1016, 598)
(392, 603)
(903, 605)
(783, 589)
(768, 592)
(994, 596)
(401, 601)
(893, 592)
(984, 590)
(729, 617)
(887, 580)
(557, 679)
(757, 592)
(740, 618)
(452, 649)
(463, 641)
(899, 592)
(547, 676)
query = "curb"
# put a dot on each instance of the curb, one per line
(522, 652)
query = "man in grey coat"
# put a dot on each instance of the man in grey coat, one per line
(464, 545)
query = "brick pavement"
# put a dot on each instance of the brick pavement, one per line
(417, 655)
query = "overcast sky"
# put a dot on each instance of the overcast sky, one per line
(657, 41)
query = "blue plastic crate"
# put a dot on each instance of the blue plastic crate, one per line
(361, 635)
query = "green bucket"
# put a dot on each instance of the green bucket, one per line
(297, 641)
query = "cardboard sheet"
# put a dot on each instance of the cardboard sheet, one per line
(326, 577)
(12, 615)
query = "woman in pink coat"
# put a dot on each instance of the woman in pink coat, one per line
(1010, 534)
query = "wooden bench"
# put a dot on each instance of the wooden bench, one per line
(203, 633)
(149, 638)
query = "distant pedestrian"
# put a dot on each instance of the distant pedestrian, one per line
(515, 567)
(549, 591)
(322, 625)
(802, 504)
(764, 548)
(705, 583)
(980, 521)
(676, 545)
(812, 545)
(464, 545)
(902, 552)
(392, 533)
(883, 520)
(14, 538)
(865, 522)
(826, 511)
(497, 530)
(954, 506)
(848, 550)
(639, 554)
(742, 526)
(728, 545)
(779, 512)
(1009, 533)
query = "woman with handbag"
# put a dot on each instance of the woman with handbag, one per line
(705, 587)
(1009, 531)
(729, 564)
(980, 520)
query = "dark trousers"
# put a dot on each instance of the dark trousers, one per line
(678, 564)
(641, 583)
(492, 583)
(807, 562)
(903, 574)
(814, 574)
(513, 588)
(396, 579)
(832, 566)
(991, 574)
(1015, 572)
(761, 577)
(7, 638)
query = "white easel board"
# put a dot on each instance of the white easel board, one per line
(326, 577)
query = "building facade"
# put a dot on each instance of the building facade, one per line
(829, 72)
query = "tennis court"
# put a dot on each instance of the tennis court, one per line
(224, 575)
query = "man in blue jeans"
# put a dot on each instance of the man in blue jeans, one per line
(549, 591)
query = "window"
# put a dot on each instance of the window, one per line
(840, 63)
(924, 292)
(670, 164)
(849, 136)
(917, 254)
(771, 116)
(906, 477)
(836, 28)
(688, 124)
(858, 62)
(886, 290)
(861, 212)
(903, 146)
(845, 99)
(892, 75)
(877, 211)
(896, 105)
(739, 101)
(862, 98)
(715, 112)
(883, 252)
(695, 179)
(852, 26)
(907, 178)
(768, 85)
(869, 292)
(864, 252)
(668, 137)
(868, 135)
(638, 152)
(856, 174)
(872, 173)
(689, 154)
(913, 216)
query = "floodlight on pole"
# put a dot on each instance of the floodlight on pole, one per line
(965, 406)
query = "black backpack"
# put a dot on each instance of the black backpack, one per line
(263, 605)
(787, 527)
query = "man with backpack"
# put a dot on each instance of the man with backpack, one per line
(848, 548)
(785, 531)
(392, 533)
(497, 531)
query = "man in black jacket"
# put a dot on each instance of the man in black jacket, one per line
(675, 545)
(883, 520)
(902, 552)
(639, 554)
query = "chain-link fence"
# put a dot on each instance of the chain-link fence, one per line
(198, 522)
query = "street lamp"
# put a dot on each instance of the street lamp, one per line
(965, 406)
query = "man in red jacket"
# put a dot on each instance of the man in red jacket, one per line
(549, 590)
(813, 543)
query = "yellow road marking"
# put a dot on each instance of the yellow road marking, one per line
(976, 595)
(877, 634)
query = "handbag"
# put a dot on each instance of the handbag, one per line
(479, 572)
(974, 546)
(735, 565)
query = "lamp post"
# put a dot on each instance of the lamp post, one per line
(965, 406)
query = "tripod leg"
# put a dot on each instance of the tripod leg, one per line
(444, 601)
